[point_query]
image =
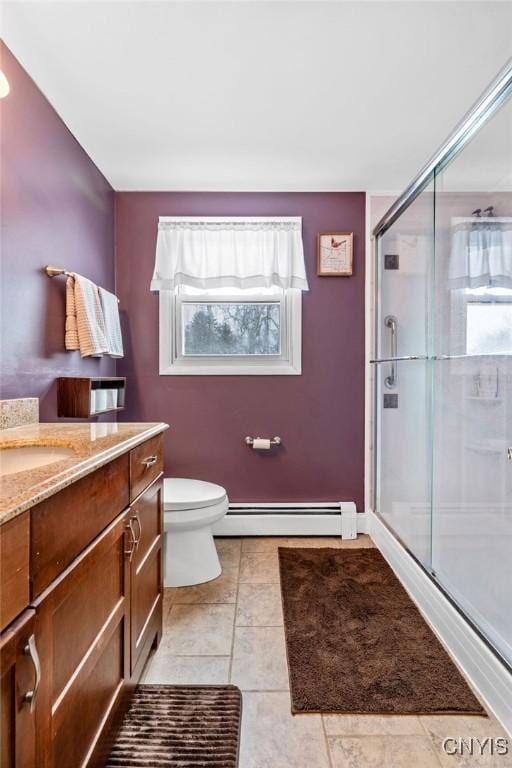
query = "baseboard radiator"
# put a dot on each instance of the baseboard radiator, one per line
(336, 518)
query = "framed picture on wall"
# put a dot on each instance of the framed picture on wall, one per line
(334, 254)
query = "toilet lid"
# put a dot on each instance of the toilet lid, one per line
(183, 493)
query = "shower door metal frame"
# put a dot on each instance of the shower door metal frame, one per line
(481, 111)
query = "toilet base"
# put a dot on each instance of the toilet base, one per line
(190, 557)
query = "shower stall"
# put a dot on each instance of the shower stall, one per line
(442, 368)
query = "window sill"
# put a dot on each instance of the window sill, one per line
(180, 369)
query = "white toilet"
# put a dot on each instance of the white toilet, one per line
(191, 507)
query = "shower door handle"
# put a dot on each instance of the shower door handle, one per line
(391, 322)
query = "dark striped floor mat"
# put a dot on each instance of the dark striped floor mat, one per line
(181, 727)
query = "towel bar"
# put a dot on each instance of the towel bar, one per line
(52, 271)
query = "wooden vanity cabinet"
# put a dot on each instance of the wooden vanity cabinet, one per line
(18, 680)
(94, 612)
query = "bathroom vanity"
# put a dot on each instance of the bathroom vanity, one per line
(80, 586)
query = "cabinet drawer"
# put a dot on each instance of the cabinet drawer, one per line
(63, 525)
(146, 463)
(14, 564)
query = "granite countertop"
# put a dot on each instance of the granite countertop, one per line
(93, 445)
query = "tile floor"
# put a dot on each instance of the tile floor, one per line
(231, 630)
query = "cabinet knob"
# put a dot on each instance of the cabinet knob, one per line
(150, 461)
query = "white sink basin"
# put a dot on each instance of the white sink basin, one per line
(31, 457)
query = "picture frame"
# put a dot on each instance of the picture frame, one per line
(335, 254)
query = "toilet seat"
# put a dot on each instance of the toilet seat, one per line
(184, 493)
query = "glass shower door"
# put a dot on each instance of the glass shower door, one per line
(403, 376)
(472, 472)
(444, 367)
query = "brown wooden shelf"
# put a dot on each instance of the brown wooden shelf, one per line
(84, 397)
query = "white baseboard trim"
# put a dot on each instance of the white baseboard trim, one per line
(284, 525)
(484, 670)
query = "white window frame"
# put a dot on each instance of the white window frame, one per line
(288, 363)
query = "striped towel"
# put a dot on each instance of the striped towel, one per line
(85, 325)
(110, 307)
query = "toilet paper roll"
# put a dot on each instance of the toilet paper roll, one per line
(261, 444)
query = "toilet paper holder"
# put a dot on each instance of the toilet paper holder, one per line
(273, 440)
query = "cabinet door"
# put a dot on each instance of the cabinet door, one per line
(146, 586)
(19, 677)
(82, 624)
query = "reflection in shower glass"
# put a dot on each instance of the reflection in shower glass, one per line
(489, 328)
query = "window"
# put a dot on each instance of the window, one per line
(229, 331)
(489, 321)
(230, 295)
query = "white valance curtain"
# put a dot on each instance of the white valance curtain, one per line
(218, 252)
(481, 254)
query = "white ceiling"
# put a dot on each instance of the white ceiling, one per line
(189, 95)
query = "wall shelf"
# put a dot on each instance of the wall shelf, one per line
(84, 397)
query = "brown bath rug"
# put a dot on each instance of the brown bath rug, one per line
(356, 642)
(179, 726)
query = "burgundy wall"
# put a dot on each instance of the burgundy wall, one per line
(319, 415)
(57, 208)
